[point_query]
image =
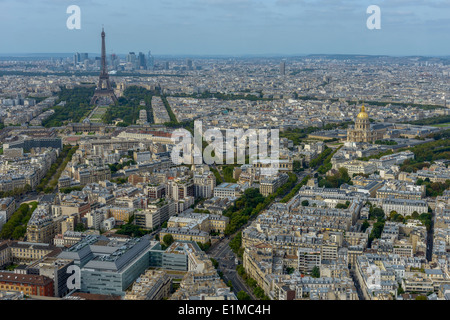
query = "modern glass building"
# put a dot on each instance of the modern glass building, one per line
(111, 265)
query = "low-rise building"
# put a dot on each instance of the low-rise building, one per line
(151, 285)
(270, 184)
(27, 283)
(404, 207)
(227, 190)
(185, 234)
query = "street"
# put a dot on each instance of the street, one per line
(226, 259)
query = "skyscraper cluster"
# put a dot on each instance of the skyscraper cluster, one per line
(140, 61)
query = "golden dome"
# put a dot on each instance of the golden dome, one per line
(363, 114)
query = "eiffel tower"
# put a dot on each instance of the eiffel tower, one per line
(104, 89)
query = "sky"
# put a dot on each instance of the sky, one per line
(227, 27)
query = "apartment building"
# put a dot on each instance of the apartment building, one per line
(204, 185)
(258, 262)
(41, 227)
(180, 188)
(404, 207)
(18, 252)
(7, 207)
(308, 258)
(28, 284)
(185, 234)
(54, 268)
(270, 184)
(227, 190)
(357, 167)
(151, 285)
(156, 191)
(204, 222)
(156, 214)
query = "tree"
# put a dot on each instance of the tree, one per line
(377, 213)
(242, 295)
(258, 292)
(335, 180)
(297, 166)
(421, 298)
(7, 231)
(79, 227)
(19, 232)
(240, 270)
(131, 229)
(344, 174)
(377, 230)
(16, 226)
(204, 246)
(341, 206)
(236, 242)
(365, 225)
(315, 272)
(168, 239)
(305, 203)
(400, 290)
(251, 283)
(214, 262)
(290, 270)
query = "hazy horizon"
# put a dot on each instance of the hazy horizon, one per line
(205, 56)
(228, 27)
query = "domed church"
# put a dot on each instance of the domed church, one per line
(363, 131)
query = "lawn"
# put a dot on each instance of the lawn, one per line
(441, 125)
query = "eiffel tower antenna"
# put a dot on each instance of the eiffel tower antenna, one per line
(104, 89)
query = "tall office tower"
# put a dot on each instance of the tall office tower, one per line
(83, 57)
(98, 62)
(104, 89)
(150, 61)
(76, 58)
(189, 64)
(131, 59)
(142, 61)
(114, 60)
(166, 65)
(283, 68)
